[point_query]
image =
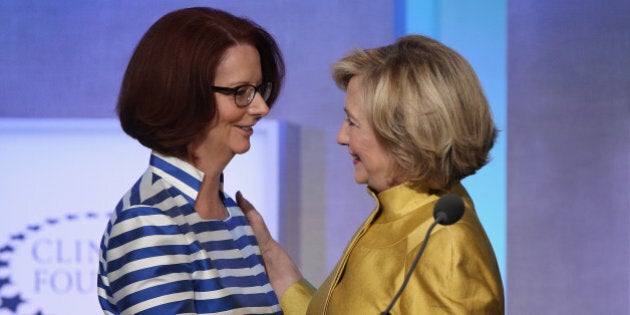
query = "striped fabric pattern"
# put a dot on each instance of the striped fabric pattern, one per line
(158, 256)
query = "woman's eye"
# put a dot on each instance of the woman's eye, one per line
(241, 92)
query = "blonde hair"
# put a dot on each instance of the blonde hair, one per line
(426, 106)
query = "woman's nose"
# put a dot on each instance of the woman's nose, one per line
(258, 107)
(342, 134)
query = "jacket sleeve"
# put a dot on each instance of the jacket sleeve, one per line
(296, 299)
(457, 274)
(143, 275)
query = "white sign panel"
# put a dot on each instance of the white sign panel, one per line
(59, 181)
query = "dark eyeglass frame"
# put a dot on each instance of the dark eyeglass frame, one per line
(264, 89)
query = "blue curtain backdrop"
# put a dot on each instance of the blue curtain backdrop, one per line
(477, 30)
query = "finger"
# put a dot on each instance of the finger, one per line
(248, 209)
(255, 219)
(243, 203)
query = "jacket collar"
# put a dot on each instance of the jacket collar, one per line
(179, 173)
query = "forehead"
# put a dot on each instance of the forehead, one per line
(239, 64)
(354, 97)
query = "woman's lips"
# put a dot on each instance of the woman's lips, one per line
(248, 130)
(355, 159)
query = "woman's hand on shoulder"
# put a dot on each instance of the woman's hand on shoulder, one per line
(282, 272)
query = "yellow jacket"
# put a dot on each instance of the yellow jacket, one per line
(457, 273)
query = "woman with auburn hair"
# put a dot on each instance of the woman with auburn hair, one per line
(195, 87)
(417, 123)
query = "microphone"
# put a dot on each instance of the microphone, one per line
(448, 210)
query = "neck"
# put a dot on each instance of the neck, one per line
(209, 204)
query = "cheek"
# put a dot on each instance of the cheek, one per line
(363, 145)
(227, 112)
(374, 158)
(355, 140)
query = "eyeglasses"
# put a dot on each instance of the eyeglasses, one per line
(244, 94)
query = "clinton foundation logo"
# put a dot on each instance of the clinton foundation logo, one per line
(50, 267)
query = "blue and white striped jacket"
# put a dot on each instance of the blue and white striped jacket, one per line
(158, 256)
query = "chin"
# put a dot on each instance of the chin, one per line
(242, 149)
(360, 179)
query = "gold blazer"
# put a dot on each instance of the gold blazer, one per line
(457, 273)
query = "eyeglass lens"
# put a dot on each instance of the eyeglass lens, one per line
(245, 94)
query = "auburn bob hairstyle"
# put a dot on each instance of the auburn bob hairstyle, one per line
(166, 100)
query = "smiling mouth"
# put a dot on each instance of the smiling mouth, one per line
(246, 128)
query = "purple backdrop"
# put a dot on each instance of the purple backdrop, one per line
(568, 157)
(568, 132)
(65, 59)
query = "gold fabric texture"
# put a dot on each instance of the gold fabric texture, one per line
(457, 273)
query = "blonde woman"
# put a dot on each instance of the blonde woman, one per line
(417, 123)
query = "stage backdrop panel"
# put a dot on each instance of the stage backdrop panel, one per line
(60, 180)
